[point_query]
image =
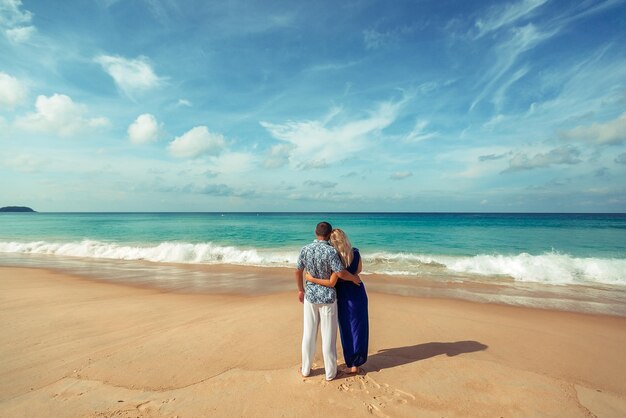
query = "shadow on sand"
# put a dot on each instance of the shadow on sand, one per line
(392, 357)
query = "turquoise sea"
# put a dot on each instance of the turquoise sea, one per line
(554, 250)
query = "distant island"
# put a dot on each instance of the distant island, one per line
(16, 209)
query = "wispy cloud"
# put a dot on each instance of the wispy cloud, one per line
(419, 132)
(583, 9)
(522, 39)
(183, 103)
(494, 121)
(233, 163)
(374, 39)
(26, 163)
(492, 157)
(331, 66)
(278, 156)
(590, 83)
(216, 190)
(499, 97)
(130, 75)
(316, 144)
(58, 114)
(621, 159)
(400, 175)
(504, 15)
(562, 155)
(239, 18)
(321, 184)
(21, 34)
(209, 189)
(163, 11)
(612, 132)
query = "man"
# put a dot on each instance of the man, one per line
(320, 259)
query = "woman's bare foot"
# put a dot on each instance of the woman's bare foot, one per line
(354, 369)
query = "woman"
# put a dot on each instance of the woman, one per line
(351, 303)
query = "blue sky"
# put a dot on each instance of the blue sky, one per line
(160, 105)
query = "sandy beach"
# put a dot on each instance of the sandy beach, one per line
(75, 347)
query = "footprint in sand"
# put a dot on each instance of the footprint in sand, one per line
(147, 409)
(312, 378)
(379, 396)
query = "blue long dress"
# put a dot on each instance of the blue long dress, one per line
(353, 317)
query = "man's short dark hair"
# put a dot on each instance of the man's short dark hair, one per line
(323, 229)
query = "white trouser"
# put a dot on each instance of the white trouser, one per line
(324, 315)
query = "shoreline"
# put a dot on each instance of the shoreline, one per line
(81, 347)
(260, 280)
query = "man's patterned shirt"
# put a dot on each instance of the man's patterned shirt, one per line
(320, 259)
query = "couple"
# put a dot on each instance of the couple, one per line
(333, 292)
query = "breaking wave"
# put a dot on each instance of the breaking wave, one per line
(549, 268)
(165, 252)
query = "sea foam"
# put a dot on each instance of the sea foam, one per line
(549, 268)
(165, 252)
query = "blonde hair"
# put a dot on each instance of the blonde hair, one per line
(342, 244)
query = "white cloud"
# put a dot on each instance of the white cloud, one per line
(130, 75)
(196, 142)
(26, 163)
(492, 157)
(183, 102)
(233, 163)
(525, 38)
(11, 15)
(374, 39)
(472, 162)
(500, 95)
(494, 121)
(15, 22)
(278, 156)
(585, 87)
(332, 66)
(608, 133)
(321, 184)
(522, 39)
(506, 15)
(58, 114)
(12, 92)
(586, 9)
(400, 175)
(562, 155)
(419, 132)
(316, 144)
(144, 129)
(220, 190)
(21, 34)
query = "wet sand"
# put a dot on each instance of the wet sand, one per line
(75, 347)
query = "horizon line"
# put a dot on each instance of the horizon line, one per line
(325, 212)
